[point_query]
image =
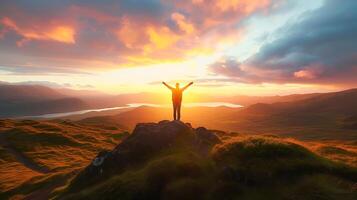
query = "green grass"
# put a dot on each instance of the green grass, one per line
(330, 150)
(61, 147)
(38, 183)
(5, 156)
(25, 140)
(165, 173)
(242, 168)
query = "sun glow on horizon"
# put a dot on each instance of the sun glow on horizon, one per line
(94, 49)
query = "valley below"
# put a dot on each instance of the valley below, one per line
(134, 153)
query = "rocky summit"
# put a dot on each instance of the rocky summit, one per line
(173, 160)
(146, 141)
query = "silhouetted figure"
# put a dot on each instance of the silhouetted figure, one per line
(177, 98)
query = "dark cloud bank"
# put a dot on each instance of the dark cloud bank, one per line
(320, 47)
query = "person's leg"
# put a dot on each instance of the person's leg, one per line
(179, 111)
(175, 110)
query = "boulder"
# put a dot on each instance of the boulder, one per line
(207, 136)
(146, 140)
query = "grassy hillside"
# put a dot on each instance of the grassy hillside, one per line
(328, 117)
(42, 159)
(238, 167)
(27, 100)
(35, 154)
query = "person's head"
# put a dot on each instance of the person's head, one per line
(177, 85)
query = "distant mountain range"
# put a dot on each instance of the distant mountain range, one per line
(340, 103)
(328, 115)
(28, 93)
(24, 100)
(29, 100)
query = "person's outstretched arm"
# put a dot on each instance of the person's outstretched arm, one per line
(167, 86)
(188, 85)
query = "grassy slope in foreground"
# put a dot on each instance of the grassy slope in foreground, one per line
(237, 167)
(37, 155)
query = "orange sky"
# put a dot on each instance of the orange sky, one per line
(229, 47)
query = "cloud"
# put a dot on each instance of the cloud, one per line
(182, 23)
(50, 84)
(104, 35)
(227, 67)
(39, 70)
(60, 33)
(43, 83)
(305, 74)
(319, 47)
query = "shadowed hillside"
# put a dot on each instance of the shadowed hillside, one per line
(172, 160)
(167, 160)
(41, 154)
(329, 116)
(324, 116)
(25, 100)
(339, 103)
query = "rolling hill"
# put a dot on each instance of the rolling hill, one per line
(36, 153)
(173, 160)
(26, 100)
(250, 100)
(340, 103)
(327, 116)
(17, 100)
(21, 93)
(57, 159)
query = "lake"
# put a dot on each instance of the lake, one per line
(134, 105)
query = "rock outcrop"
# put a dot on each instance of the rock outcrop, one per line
(146, 141)
(172, 160)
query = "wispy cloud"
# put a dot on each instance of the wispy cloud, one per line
(39, 70)
(94, 34)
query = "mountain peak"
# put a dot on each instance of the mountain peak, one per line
(145, 142)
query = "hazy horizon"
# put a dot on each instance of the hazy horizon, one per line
(255, 48)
